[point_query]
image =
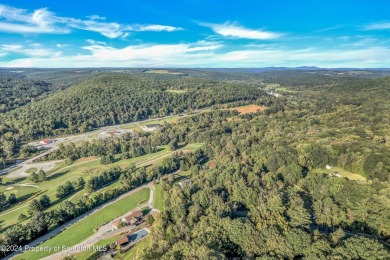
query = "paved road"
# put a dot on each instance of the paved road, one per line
(71, 222)
(105, 231)
(74, 139)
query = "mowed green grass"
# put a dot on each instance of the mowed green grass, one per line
(71, 173)
(169, 120)
(131, 126)
(85, 228)
(343, 173)
(132, 252)
(193, 147)
(158, 204)
(19, 191)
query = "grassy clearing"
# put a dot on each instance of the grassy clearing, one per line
(158, 204)
(132, 252)
(19, 191)
(131, 126)
(60, 176)
(85, 228)
(182, 175)
(72, 173)
(177, 91)
(248, 109)
(284, 89)
(169, 120)
(193, 147)
(163, 72)
(343, 173)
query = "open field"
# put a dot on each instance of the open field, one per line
(169, 120)
(284, 89)
(131, 126)
(158, 197)
(176, 91)
(132, 252)
(85, 227)
(248, 109)
(19, 191)
(343, 173)
(72, 173)
(192, 147)
(163, 72)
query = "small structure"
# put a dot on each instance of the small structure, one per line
(133, 217)
(116, 224)
(45, 142)
(328, 167)
(338, 175)
(122, 241)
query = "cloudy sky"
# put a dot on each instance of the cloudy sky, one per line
(195, 33)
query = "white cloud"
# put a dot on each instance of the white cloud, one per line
(60, 45)
(20, 21)
(378, 26)
(157, 28)
(202, 54)
(32, 50)
(14, 20)
(236, 31)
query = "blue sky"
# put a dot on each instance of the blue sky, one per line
(195, 33)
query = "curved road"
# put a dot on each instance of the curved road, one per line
(71, 222)
(105, 231)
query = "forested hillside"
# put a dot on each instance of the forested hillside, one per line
(16, 92)
(266, 193)
(107, 99)
(260, 187)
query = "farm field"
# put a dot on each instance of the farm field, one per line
(85, 227)
(343, 173)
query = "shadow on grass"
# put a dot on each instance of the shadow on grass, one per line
(58, 201)
(26, 197)
(56, 175)
(15, 181)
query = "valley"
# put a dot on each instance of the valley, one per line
(274, 164)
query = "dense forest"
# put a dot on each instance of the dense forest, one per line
(108, 99)
(265, 194)
(258, 187)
